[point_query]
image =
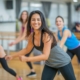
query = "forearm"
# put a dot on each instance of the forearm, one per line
(60, 44)
(36, 58)
(19, 53)
(19, 39)
(65, 36)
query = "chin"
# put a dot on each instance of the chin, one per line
(59, 27)
(37, 28)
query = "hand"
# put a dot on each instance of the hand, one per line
(23, 58)
(11, 44)
(9, 57)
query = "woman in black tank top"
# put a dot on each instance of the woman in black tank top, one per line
(43, 40)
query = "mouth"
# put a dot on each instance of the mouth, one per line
(58, 24)
(36, 25)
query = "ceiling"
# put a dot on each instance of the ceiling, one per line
(50, 0)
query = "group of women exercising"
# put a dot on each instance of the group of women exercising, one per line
(36, 32)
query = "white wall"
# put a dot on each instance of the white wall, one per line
(7, 14)
(58, 10)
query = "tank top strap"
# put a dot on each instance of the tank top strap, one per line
(64, 28)
(33, 38)
(41, 42)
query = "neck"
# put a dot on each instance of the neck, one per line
(37, 32)
(24, 22)
(60, 29)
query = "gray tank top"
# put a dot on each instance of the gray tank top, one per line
(58, 58)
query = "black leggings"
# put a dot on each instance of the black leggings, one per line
(29, 63)
(5, 66)
(73, 52)
(50, 72)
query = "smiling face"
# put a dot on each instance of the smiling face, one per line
(36, 21)
(24, 16)
(59, 23)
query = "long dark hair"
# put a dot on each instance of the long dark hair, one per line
(20, 19)
(43, 27)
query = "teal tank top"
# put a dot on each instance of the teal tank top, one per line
(71, 42)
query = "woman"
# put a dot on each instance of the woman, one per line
(5, 66)
(24, 19)
(67, 38)
(42, 39)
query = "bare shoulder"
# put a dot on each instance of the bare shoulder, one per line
(46, 37)
(30, 37)
(67, 32)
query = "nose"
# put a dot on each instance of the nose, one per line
(36, 21)
(57, 22)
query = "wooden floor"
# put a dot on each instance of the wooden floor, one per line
(22, 69)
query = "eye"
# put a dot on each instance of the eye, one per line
(33, 19)
(57, 21)
(38, 19)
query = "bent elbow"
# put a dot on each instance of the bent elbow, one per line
(45, 58)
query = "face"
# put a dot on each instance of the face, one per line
(24, 15)
(59, 23)
(36, 21)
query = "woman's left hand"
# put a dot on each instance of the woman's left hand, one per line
(23, 58)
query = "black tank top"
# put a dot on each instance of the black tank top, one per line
(41, 43)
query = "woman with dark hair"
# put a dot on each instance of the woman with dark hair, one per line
(5, 65)
(67, 38)
(24, 20)
(42, 39)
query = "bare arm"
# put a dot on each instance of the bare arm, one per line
(21, 37)
(44, 55)
(2, 53)
(25, 50)
(66, 34)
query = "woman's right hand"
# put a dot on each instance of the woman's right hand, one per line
(9, 57)
(12, 43)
